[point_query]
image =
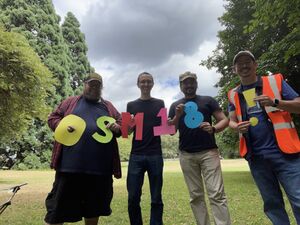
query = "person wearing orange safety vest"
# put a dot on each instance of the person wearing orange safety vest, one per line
(259, 110)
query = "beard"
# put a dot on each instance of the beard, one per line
(190, 92)
(91, 100)
(92, 97)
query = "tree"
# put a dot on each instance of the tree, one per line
(37, 21)
(25, 83)
(283, 51)
(170, 146)
(78, 49)
(231, 40)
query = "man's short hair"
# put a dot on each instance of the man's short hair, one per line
(186, 75)
(242, 53)
(144, 73)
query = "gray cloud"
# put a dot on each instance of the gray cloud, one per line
(165, 38)
(148, 32)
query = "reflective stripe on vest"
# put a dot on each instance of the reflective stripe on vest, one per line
(231, 95)
(273, 85)
(275, 90)
(279, 126)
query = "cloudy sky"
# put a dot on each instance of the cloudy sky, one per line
(164, 38)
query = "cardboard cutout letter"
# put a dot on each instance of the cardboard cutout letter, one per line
(63, 136)
(129, 122)
(164, 128)
(193, 117)
(102, 125)
(249, 95)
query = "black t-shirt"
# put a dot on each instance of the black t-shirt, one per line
(88, 155)
(150, 144)
(195, 140)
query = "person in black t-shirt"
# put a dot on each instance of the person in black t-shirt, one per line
(83, 185)
(199, 156)
(146, 155)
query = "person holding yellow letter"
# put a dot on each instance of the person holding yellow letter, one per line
(85, 155)
(270, 144)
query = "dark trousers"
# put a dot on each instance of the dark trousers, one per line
(138, 165)
(269, 174)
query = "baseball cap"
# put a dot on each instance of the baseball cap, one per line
(186, 75)
(241, 53)
(93, 76)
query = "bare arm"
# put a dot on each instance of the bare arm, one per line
(291, 106)
(221, 124)
(222, 121)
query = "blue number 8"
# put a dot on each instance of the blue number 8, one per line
(193, 117)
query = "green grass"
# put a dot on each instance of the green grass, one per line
(244, 201)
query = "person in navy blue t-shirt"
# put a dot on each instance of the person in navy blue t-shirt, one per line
(83, 185)
(270, 143)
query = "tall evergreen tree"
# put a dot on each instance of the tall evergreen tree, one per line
(75, 40)
(38, 22)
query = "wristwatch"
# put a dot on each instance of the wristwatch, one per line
(275, 102)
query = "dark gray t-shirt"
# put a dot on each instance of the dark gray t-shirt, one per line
(196, 140)
(150, 144)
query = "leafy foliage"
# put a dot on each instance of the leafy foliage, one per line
(125, 147)
(38, 22)
(25, 83)
(170, 146)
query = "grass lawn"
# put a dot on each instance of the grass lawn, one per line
(244, 200)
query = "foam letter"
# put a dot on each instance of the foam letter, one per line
(164, 128)
(102, 125)
(129, 122)
(63, 136)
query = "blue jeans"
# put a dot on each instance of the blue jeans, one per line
(138, 165)
(268, 173)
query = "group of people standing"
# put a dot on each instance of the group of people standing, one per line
(83, 186)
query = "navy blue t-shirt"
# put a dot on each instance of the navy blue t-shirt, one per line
(88, 155)
(196, 140)
(262, 136)
(150, 144)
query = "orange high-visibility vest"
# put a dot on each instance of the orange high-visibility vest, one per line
(284, 128)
